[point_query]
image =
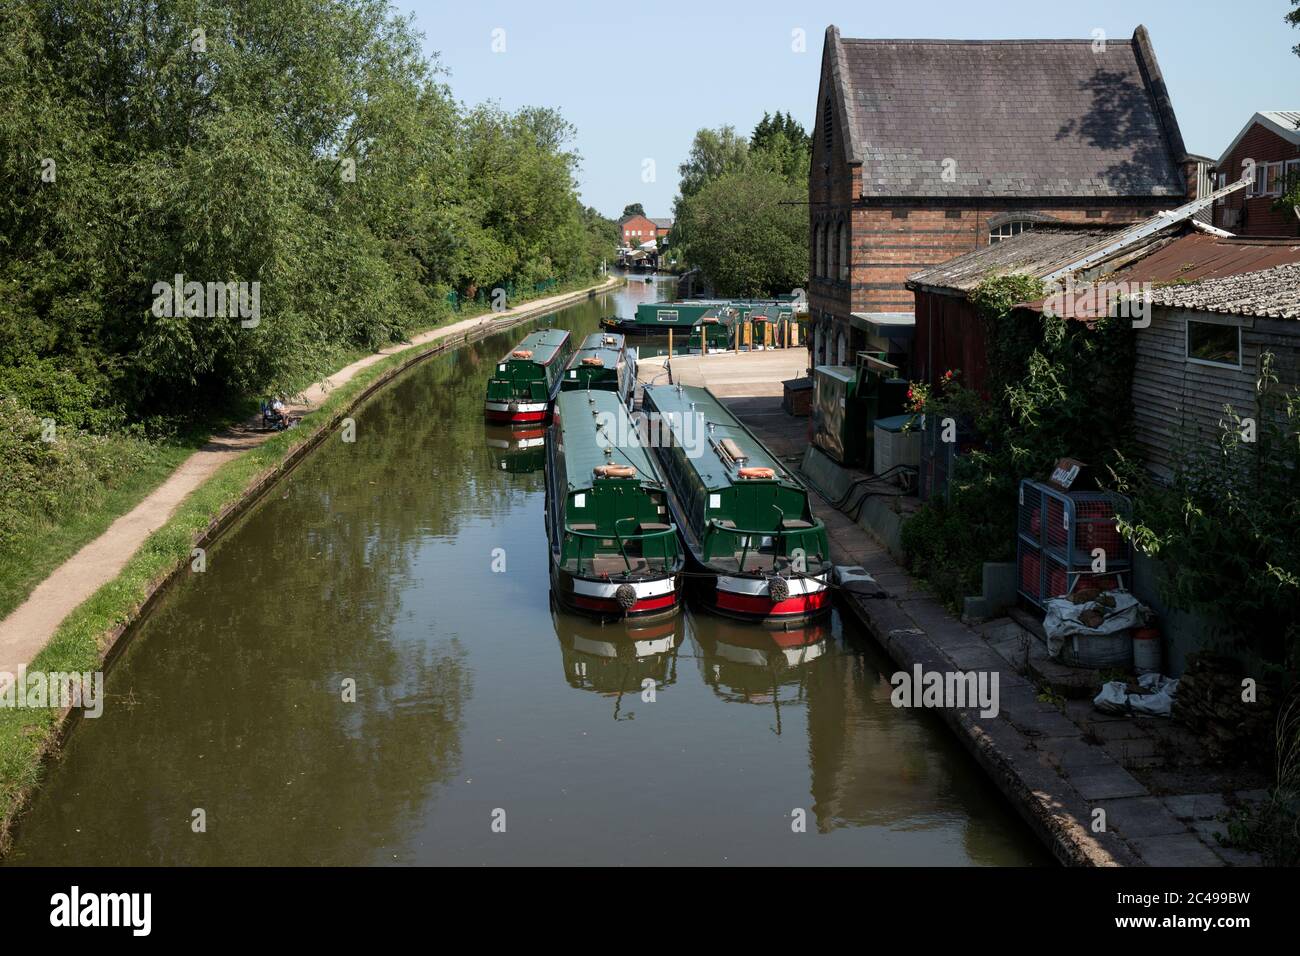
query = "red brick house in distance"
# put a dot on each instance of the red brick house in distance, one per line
(927, 149)
(636, 229)
(1270, 143)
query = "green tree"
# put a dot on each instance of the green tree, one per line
(308, 146)
(633, 209)
(713, 152)
(748, 231)
(785, 143)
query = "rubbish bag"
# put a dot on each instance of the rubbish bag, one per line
(1115, 698)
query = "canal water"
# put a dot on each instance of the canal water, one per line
(412, 564)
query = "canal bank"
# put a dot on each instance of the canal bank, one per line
(1098, 789)
(414, 563)
(75, 620)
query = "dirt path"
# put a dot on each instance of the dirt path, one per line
(31, 625)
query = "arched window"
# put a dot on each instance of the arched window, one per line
(1006, 230)
(843, 350)
(828, 123)
(844, 252)
(819, 252)
(830, 251)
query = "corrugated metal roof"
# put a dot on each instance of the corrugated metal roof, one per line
(1054, 252)
(1285, 117)
(1198, 256)
(1193, 258)
(1274, 293)
(1285, 123)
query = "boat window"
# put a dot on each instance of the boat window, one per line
(667, 315)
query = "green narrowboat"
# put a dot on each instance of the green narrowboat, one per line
(759, 551)
(712, 332)
(603, 363)
(657, 318)
(527, 378)
(614, 549)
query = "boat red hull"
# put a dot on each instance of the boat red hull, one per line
(597, 597)
(749, 599)
(516, 413)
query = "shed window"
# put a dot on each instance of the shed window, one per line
(1008, 229)
(1213, 344)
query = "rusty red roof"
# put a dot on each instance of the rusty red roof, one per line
(1187, 259)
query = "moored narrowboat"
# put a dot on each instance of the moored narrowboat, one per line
(745, 518)
(603, 363)
(527, 378)
(615, 553)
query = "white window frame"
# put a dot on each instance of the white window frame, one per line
(1260, 187)
(659, 315)
(1187, 343)
(996, 234)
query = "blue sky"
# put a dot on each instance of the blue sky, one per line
(722, 62)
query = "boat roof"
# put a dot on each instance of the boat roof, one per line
(583, 442)
(843, 373)
(686, 400)
(597, 340)
(593, 346)
(543, 343)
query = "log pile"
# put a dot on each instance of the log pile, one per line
(1209, 702)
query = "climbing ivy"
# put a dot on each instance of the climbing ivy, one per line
(1055, 388)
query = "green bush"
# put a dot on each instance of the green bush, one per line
(1055, 388)
(48, 481)
(1229, 523)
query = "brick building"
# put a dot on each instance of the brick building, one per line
(1272, 140)
(927, 149)
(637, 229)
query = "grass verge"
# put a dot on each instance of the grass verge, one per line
(27, 736)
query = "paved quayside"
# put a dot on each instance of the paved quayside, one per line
(1056, 764)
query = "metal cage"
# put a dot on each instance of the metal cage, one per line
(1069, 539)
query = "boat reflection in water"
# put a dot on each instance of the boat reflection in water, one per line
(755, 665)
(616, 659)
(517, 451)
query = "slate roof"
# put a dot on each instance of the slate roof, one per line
(1020, 118)
(1274, 293)
(662, 223)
